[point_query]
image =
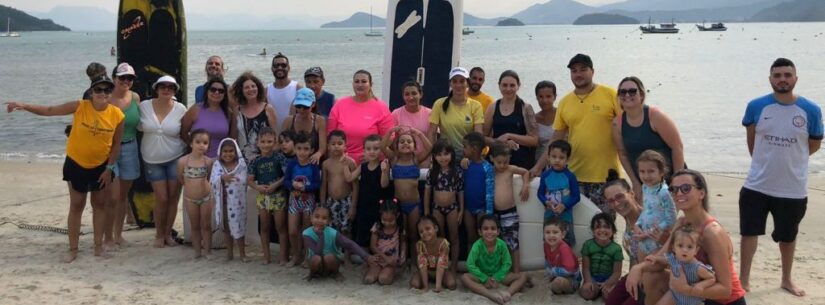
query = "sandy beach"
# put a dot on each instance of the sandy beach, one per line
(31, 271)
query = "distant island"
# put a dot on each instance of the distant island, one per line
(794, 11)
(357, 20)
(510, 22)
(592, 19)
(22, 22)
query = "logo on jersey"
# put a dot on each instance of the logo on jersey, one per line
(799, 121)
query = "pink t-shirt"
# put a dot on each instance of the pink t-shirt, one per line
(359, 120)
(419, 120)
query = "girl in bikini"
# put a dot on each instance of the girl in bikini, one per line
(445, 189)
(387, 244)
(405, 172)
(193, 173)
(433, 258)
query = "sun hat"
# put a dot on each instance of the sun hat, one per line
(304, 97)
(459, 71)
(165, 79)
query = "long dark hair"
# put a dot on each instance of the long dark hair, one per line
(442, 145)
(514, 75)
(237, 87)
(224, 102)
(391, 207)
(431, 219)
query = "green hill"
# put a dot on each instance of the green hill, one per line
(604, 19)
(794, 11)
(22, 22)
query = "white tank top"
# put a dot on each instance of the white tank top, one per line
(281, 100)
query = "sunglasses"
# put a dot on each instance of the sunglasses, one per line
(301, 107)
(217, 90)
(126, 78)
(628, 92)
(279, 65)
(166, 86)
(104, 90)
(684, 188)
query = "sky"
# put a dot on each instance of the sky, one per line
(326, 8)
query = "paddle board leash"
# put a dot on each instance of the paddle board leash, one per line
(422, 71)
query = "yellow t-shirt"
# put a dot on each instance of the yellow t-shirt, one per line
(90, 141)
(588, 123)
(484, 99)
(457, 122)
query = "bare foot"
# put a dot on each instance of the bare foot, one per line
(100, 252)
(121, 242)
(305, 265)
(745, 285)
(291, 263)
(244, 259)
(505, 295)
(169, 241)
(496, 298)
(109, 245)
(71, 256)
(792, 289)
(282, 263)
(158, 243)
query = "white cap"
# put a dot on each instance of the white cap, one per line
(459, 71)
(124, 69)
(166, 79)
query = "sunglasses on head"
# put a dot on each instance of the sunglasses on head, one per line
(684, 188)
(126, 78)
(217, 90)
(628, 92)
(104, 90)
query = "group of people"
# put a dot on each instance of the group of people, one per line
(341, 178)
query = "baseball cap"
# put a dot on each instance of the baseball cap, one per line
(459, 71)
(580, 59)
(101, 80)
(166, 79)
(304, 97)
(314, 71)
(124, 69)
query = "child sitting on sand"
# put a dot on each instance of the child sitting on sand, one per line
(324, 245)
(193, 173)
(388, 244)
(489, 265)
(560, 263)
(433, 252)
(601, 258)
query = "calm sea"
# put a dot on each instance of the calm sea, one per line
(703, 80)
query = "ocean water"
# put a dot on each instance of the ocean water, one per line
(702, 80)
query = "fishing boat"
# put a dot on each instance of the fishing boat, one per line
(663, 28)
(716, 27)
(467, 31)
(8, 32)
(373, 33)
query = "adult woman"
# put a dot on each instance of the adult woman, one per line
(127, 168)
(413, 114)
(254, 113)
(546, 96)
(640, 128)
(161, 146)
(214, 116)
(360, 115)
(91, 152)
(456, 115)
(304, 120)
(512, 121)
(690, 191)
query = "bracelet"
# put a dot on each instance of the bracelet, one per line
(110, 167)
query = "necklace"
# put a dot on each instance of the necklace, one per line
(581, 99)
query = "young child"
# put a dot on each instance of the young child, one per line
(559, 189)
(479, 176)
(193, 174)
(505, 205)
(601, 258)
(489, 265)
(302, 179)
(324, 244)
(370, 188)
(388, 245)
(560, 264)
(229, 180)
(266, 177)
(336, 191)
(444, 186)
(658, 212)
(432, 252)
(404, 171)
(684, 244)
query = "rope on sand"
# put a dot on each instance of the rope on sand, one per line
(42, 228)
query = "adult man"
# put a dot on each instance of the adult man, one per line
(476, 80)
(314, 79)
(281, 92)
(585, 117)
(783, 130)
(214, 68)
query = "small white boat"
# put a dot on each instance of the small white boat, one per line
(467, 31)
(373, 33)
(716, 27)
(8, 32)
(664, 28)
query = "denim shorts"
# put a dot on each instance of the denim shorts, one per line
(128, 164)
(162, 171)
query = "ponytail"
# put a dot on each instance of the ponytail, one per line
(446, 103)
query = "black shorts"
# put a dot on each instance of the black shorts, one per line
(739, 301)
(753, 214)
(83, 180)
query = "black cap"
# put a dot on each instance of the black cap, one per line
(100, 80)
(314, 71)
(580, 59)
